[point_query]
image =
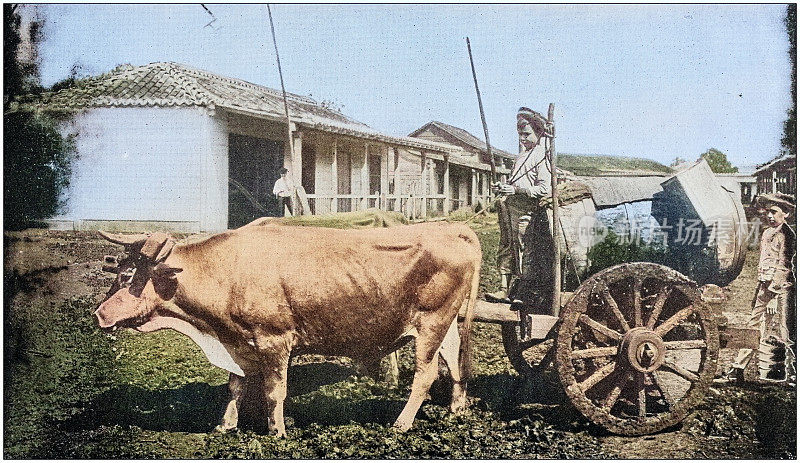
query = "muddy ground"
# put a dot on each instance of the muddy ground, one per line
(71, 391)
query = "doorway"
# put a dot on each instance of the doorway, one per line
(253, 167)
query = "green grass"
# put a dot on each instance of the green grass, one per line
(72, 391)
(156, 396)
(598, 165)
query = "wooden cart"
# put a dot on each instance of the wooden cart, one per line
(635, 346)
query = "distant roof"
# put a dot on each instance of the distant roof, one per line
(749, 169)
(613, 191)
(776, 160)
(166, 84)
(464, 136)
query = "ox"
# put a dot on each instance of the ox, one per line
(254, 296)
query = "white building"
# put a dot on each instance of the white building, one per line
(165, 146)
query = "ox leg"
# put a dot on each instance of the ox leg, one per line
(374, 369)
(275, 351)
(427, 368)
(449, 352)
(393, 372)
(275, 386)
(231, 417)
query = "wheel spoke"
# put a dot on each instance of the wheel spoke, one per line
(674, 320)
(594, 352)
(600, 328)
(666, 395)
(688, 344)
(658, 305)
(597, 376)
(525, 345)
(615, 309)
(608, 404)
(686, 374)
(642, 399)
(637, 301)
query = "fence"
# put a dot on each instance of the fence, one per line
(411, 206)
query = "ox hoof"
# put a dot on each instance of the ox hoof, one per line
(458, 407)
(225, 430)
(401, 427)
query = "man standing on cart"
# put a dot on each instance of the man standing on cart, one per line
(525, 253)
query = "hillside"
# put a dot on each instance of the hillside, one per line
(580, 164)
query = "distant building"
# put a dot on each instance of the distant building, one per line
(743, 182)
(167, 146)
(445, 133)
(778, 175)
(466, 181)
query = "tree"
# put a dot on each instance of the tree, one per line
(36, 158)
(718, 162)
(789, 139)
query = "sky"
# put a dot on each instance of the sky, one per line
(652, 81)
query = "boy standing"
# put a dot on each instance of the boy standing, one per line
(772, 311)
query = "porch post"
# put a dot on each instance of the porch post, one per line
(297, 168)
(384, 177)
(396, 206)
(365, 178)
(474, 180)
(431, 183)
(447, 198)
(424, 190)
(334, 179)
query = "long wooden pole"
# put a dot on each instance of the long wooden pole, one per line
(285, 105)
(483, 118)
(556, 219)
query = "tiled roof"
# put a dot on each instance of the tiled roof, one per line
(465, 137)
(166, 84)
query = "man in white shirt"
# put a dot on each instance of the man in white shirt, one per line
(526, 242)
(283, 190)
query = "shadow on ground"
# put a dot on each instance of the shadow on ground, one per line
(198, 407)
(195, 407)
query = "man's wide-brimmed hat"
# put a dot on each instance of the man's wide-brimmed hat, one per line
(537, 121)
(782, 200)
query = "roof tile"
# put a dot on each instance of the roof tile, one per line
(172, 84)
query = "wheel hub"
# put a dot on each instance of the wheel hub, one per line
(642, 349)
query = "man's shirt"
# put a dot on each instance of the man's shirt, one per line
(772, 259)
(531, 172)
(282, 188)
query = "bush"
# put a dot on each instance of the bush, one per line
(36, 168)
(614, 250)
(696, 262)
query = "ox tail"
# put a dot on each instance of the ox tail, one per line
(465, 349)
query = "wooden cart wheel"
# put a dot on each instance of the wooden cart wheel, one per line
(529, 357)
(637, 348)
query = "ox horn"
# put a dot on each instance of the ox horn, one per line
(126, 240)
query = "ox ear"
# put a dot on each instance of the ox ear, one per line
(125, 240)
(166, 271)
